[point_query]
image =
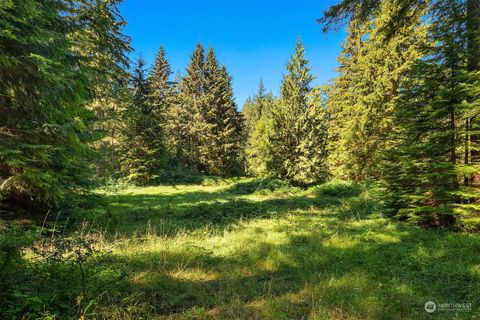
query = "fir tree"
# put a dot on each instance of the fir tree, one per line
(142, 149)
(230, 129)
(259, 153)
(287, 134)
(205, 129)
(221, 128)
(257, 114)
(428, 173)
(311, 165)
(103, 48)
(43, 90)
(363, 97)
(185, 118)
(161, 93)
(159, 85)
(341, 100)
(253, 107)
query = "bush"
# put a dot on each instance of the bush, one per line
(339, 188)
(13, 241)
(180, 176)
(260, 185)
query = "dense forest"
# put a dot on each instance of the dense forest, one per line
(401, 120)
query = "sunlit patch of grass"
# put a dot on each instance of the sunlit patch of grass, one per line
(249, 249)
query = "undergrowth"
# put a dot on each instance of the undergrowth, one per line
(234, 249)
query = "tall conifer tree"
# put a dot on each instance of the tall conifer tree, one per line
(257, 116)
(295, 89)
(364, 95)
(44, 87)
(142, 149)
(186, 119)
(429, 174)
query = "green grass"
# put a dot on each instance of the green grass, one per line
(244, 249)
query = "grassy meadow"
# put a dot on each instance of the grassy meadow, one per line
(247, 249)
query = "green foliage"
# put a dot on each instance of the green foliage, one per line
(204, 128)
(57, 262)
(75, 248)
(46, 82)
(253, 109)
(363, 97)
(287, 138)
(339, 188)
(42, 150)
(430, 174)
(142, 150)
(258, 148)
(104, 48)
(209, 251)
(13, 241)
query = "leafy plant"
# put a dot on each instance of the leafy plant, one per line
(75, 249)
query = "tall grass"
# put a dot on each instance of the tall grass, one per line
(249, 249)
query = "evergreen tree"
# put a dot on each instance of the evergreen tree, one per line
(428, 173)
(289, 136)
(311, 165)
(259, 153)
(205, 129)
(341, 100)
(220, 147)
(257, 114)
(142, 149)
(161, 93)
(287, 116)
(363, 97)
(185, 118)
(230, 128)
(159, 85)
(252, 109)
(43, 89)
(103, 48)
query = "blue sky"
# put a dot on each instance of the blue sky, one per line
(253, 39)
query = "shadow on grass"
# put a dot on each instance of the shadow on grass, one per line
(334, 258)
(389, 274)
(193, 210)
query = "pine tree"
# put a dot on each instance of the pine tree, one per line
(259, 153)
(287, 134)
(205, 129)
(428, 173)
(160, 97)
(43, 89)
(176, 123)
(230, 129)
(159, 85)
(257, 114)
(220, 148)
(363, 97)
(142, 149)
(288, 138)
(472, 123)
(185, 119)
(103, 48)
(253, 107)
(311, 165)
(341, 100)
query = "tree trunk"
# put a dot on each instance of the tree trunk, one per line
(473, 28)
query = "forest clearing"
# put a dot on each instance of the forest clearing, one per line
(239, 159)
(247, 249)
